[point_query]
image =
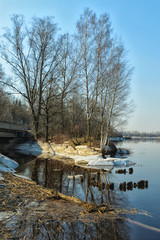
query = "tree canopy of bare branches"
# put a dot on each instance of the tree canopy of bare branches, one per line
(78, 83)
(104, 71)
(32, 52)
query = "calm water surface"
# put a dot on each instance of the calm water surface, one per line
(146, 155)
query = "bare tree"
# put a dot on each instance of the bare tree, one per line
(32, 53)
(105, 71)
(76, 106)
(103, 59)
(19, 111)
(67, 81)
(85, 39)
(5, 107)
(50, 107)
(114, 91)
(55, 74)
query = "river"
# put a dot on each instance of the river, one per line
(146, 155)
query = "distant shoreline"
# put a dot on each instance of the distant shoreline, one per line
(139, 138)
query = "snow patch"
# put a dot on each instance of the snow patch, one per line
(114, 162)
(99, 161)
(7, 164)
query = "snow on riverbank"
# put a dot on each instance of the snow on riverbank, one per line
(7, 164)
(99, 161)
(89, 160)
(114, 162)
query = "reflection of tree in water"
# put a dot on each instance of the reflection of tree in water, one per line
(29, 226)
(91, 187)
(52, 175)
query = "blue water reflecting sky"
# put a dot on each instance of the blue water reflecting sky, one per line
(147, 158)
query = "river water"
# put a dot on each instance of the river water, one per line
(146, 155)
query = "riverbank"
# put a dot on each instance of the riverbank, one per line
(30, 211)
(26, 207)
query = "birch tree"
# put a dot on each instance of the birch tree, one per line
(104, 70)
(85, 39)
(50, 105)
(67, 81)
(114, 91)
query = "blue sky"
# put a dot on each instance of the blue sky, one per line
(136, 22)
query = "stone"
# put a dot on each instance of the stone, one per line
(70, 150)
(109, 150)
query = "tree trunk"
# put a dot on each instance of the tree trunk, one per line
(47, 126)
(36, 127)
(62, 116)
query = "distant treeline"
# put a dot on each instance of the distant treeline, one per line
(140, 134)
(13, 110)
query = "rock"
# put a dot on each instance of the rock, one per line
(109, 150)
(97, 149)
(58, 148)
(112, 147)
(84, 150)
(122, 151)
(70, 150)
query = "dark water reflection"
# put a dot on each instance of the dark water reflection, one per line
(35, 228)
(51, 175)
(93, 187)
